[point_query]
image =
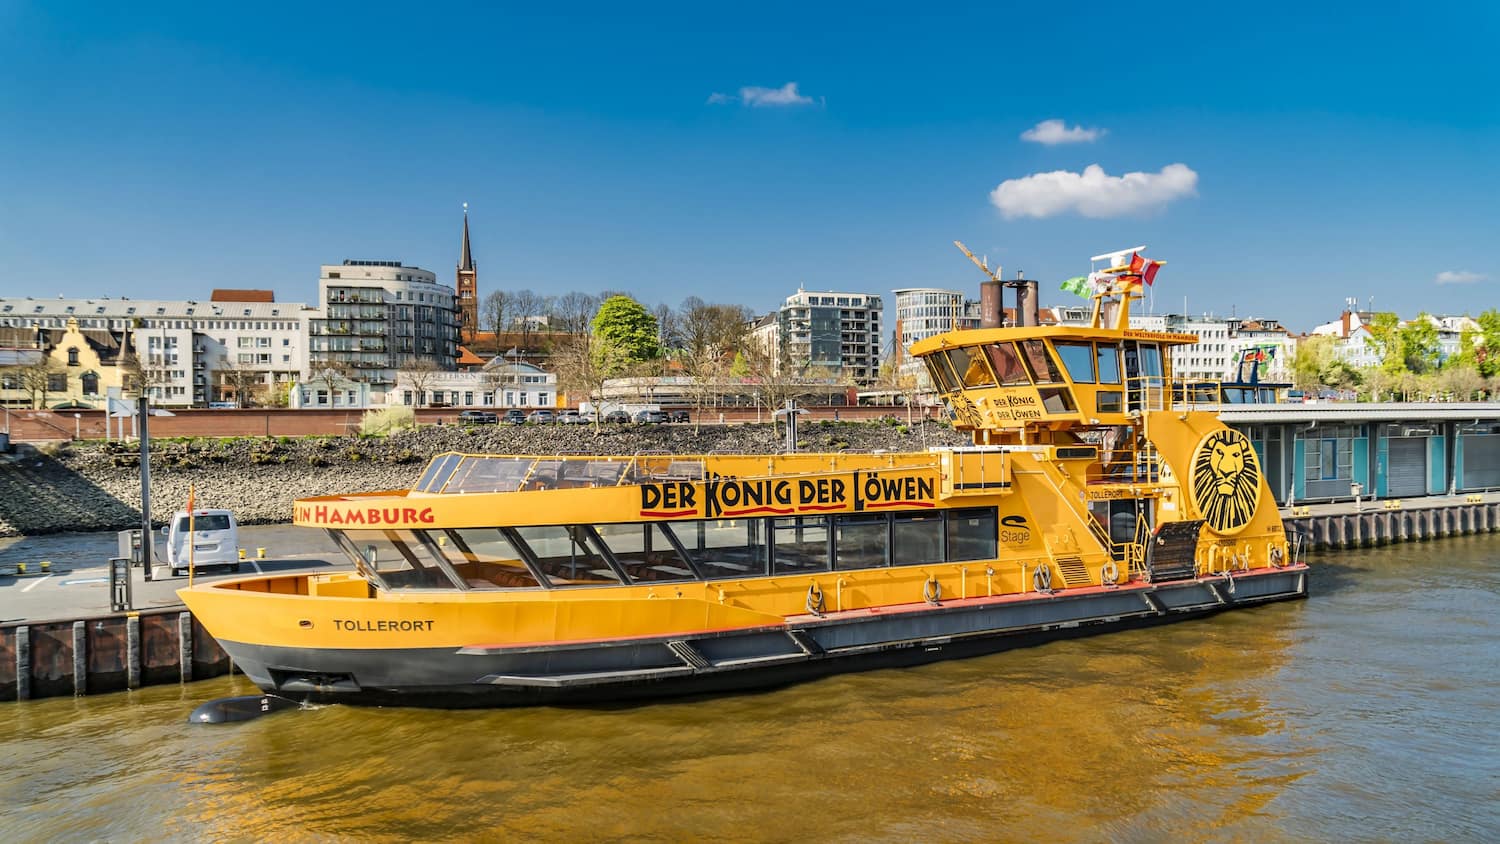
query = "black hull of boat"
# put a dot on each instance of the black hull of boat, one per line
(737, 661)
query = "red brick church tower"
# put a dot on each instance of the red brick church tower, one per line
(467, 286)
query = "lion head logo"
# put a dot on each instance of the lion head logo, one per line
(1225, 480)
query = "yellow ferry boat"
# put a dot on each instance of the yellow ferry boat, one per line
(1096, 495)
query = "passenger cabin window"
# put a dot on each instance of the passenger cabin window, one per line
(486, 559)
(400, 558)
(1078, 359)
(1007, 364)
(801, 544)
(971, 534)
(917, 538)
(861, 541)
(567, 555)
(968, 363)
(724, 548)
(645, 552)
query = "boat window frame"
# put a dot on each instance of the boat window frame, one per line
(1019, 368)
(1087, 349)
(456, 537)
(976, 362)
(1029, 349)
(941, 373)
(1114, 355)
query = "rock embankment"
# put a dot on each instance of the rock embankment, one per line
(93, 486)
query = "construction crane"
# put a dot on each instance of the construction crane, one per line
(979, 262)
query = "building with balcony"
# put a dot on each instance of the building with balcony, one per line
(376, 317)
(831, 335)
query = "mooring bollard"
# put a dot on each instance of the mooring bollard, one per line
(260, 553)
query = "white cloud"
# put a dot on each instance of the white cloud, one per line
(1053, 132)
(1093, 193)
(1459, 277)
(758, 97)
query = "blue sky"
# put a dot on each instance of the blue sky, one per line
(166, 151)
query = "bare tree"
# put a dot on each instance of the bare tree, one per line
(141, 372)
(526, 306)
(41, 377)
(573, 312)
(495, 313)
(236, 378)
(775, 380)
(332, 377)
(584, 363)
(419, 374)
(709, 336)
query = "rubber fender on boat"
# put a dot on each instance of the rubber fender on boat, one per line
(1110, 573)
(1274, 554)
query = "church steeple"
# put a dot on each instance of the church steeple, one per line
(467, 286)
(466, 259)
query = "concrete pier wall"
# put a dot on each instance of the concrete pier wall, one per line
(105, 654)
(1384, 523)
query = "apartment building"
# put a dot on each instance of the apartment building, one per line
(831, 334)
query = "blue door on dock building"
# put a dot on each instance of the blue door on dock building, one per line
(1327, 459)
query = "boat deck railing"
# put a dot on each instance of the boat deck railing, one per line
(459, 474)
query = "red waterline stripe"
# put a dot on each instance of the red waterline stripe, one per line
(899, 504)
(667, 513)
(775, 510)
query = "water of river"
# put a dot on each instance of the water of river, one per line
(1370, 711)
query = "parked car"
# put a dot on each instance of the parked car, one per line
(617, 416)
(569, 417)
(650, 417)
(477, 417)
(541, 417)
(214, 537)
(679, 416)
(515, 417)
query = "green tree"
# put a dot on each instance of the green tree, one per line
(627, 329)
(1385, 340)
(1311, 360)
(1488, 352)
(1419, 347)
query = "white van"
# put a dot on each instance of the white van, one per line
(215, 540)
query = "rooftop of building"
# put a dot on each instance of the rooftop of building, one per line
(223, 294)
(105, 307)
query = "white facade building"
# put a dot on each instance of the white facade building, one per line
(500, 383)
(189, 347)
(376, 317)
(923, 312)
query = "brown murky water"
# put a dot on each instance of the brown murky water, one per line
(1369, 712)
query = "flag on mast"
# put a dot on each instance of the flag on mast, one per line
(1077, 285)
(1148, 272)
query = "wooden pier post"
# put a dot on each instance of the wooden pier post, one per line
(80, 658)
(23, 663)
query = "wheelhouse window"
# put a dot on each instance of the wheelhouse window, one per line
(968, 363)
(1108, 359)
(942, 376)
(1043, 368)
(1078, 359)
(1007, 364)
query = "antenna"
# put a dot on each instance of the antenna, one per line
(981, 263)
